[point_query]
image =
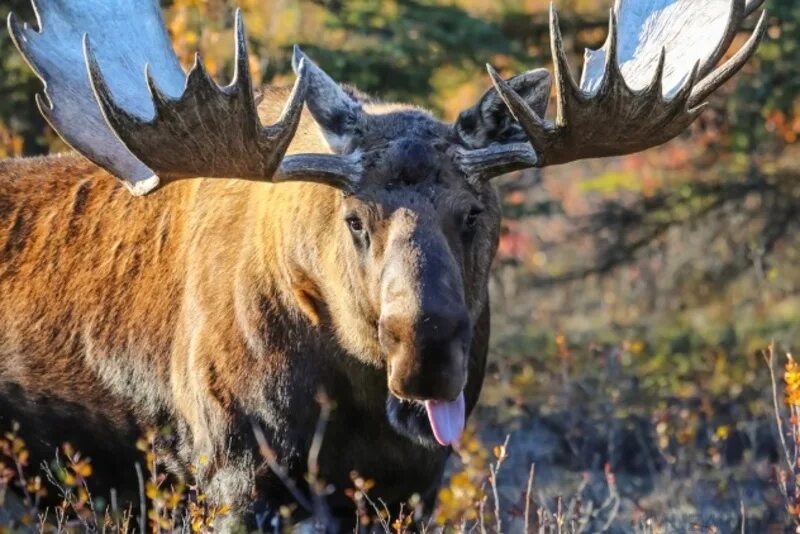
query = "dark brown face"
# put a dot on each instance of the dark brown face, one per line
(422, 235)
(423, 239)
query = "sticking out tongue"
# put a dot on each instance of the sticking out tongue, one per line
(447, 419)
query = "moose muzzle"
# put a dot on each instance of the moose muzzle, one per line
(425, 330)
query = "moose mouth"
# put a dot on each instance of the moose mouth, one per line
(432, 423)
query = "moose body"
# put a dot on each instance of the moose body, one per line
(188, 317)
(339, 256)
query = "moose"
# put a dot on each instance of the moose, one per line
(214, 259)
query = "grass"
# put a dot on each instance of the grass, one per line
(586, 438)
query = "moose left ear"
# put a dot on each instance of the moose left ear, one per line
(489, 121)
(336, 111)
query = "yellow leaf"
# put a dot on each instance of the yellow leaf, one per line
(499, 452)
(223, 510)
(83, 469)
(151, 491)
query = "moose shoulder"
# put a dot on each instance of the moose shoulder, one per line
(342, 251)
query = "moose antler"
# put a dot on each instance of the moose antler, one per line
(116, 92)
(642, 88)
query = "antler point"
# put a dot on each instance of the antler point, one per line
(142, 187)
(14, 29)
(239, 21)
(88, 51)
(301, 67)
(297, 57)
(43, 103)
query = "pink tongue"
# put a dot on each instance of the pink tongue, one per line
(447, 419)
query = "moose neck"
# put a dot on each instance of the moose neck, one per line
(300, 255)
(299, 251)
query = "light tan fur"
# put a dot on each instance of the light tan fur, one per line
(210, 301)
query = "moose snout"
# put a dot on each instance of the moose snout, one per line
(427, 357)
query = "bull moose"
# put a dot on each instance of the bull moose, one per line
(233, 271)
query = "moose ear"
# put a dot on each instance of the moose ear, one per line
(337, 112)
(489, 121)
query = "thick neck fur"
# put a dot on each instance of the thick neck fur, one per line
(76, 248)
(203, 306)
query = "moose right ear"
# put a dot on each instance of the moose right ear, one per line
(490, 121)
(336, 111)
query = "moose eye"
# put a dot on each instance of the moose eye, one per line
(355, 224)
(472, 218)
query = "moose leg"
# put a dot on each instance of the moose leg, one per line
(223, 468)
(224, 464)
(231, 486)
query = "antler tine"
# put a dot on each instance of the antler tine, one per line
(612, 76)
(752, 5)
(634, 93)
(735, 18)
(724, 72)
(20, 35)
(566, 88)
(536, 128)
(679, 102)
(289, 118)
(159, 98)
(241, 72)
(656, 86)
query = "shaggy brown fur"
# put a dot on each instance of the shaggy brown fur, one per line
(211, 305)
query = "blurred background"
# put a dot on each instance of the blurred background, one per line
(632, 296)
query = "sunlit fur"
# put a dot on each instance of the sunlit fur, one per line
(214, 304)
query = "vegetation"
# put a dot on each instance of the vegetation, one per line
(632, 296)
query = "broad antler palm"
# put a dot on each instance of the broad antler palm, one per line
(642, 88)
(138, 115)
